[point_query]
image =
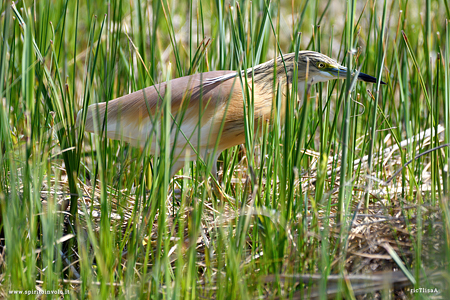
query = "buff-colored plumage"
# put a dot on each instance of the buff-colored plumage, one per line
(200, 103)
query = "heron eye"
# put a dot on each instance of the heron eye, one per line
(321, 65)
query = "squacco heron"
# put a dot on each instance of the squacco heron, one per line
(200, 103)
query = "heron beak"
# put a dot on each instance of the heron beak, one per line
(368, 78)
(342, 73)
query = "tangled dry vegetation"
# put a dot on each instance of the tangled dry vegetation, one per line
(377, 235)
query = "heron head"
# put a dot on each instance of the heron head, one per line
(322, 68)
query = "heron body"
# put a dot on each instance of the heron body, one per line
(200, 103)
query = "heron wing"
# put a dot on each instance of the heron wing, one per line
(195, 100)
